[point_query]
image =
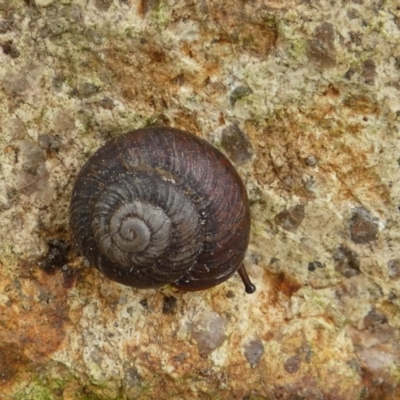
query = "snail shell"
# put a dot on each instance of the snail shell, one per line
(161, 206)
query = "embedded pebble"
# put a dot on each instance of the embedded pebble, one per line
(321, 48)
(369, 71)
(363, 228)
(253, 352)
(394, 268)
(239, 92)
(374, 318)
(291, 218)
(292, 364)
(208, 332)
(236, 144)
(33, 175)
(87, 89)
(311, 161)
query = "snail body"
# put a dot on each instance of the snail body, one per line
(161, 206)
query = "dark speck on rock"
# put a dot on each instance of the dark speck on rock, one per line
(292, 364)
(321, 48)
(394, 268)
(238, 93)
(178, 80)
(57, 81)
(14, 84)
(44, 142)
(69, 277)
(349, 73)
(169, 305)
(49, 142)
(180, 357)
(5, 26)
(159, 120)
(107, 103)
(352, 13)
(56, 257)
(363, 228)
(87, 89)
(311, 161)
(208, 331)
(132, 377)
(356, 38)
(103, 5)
(355, 365)
(143, 303)
(253, 352)
(346, 261)
(236, 144)
(10, 49)
(369, 71)
(315, 264)
(374, 318)
(291, 218)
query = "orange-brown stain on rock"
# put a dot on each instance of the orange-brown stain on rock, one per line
(361, 104)
(239, 372)
(149, 79)
(146, 6)
(162, 345)
(257, 36)
(380, 389)
(278, 164)
(147, 74)
(181, 357)
(187, 120)
(32, 322)
(12, 362)
(281, 283)
(327, 130)
(331, 91)
(140, 73)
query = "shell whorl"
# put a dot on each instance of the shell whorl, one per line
(159, 206)
(143, 220)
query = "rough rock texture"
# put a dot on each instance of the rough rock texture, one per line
(305, 98)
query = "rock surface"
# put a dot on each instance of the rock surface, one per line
(305, 99)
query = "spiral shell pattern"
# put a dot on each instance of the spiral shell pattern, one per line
(161, 206)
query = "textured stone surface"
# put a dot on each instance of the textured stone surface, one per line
(309, 92)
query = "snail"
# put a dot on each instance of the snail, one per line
(161, 206)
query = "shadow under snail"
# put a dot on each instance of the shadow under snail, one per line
(161, 206)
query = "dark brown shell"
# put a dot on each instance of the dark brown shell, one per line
(161, 206)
